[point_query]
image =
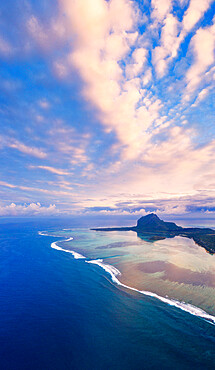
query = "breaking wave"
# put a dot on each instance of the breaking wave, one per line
(75, 254)
(114, 272)
(54, 245)
(193, 310)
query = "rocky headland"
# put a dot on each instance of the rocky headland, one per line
(152, 228)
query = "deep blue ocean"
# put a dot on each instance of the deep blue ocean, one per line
(58, 312)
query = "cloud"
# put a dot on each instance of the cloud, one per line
(139, 58)
(149, 141)
(177, 205)
(203, 46)
(43, 103)
(171, 38)
(32, 209)
(5, 47)
(194, 13)
(201, 96)
(35, 152)
(104, 40)
(69, 143)
(37, 31)
(160, 8)
(31, 190)
(47, 35)
(4, 183)
(118, 64)
(57, 171)
(168, 47)
(61, 68)
(6, 141)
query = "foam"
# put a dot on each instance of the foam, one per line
(108, 268)
(75, 254)
(54, 245)
(114, 272)
(172, 302)
(43, 233)
(68, 240)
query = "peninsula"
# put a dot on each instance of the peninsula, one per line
(152, 228)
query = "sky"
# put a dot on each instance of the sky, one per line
(107, 107)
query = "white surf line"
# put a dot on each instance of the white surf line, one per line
(187, 307)
(54, 245)
(43, 233)
(76, 255)
(113, 271)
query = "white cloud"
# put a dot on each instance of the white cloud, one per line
(6, 141)
(201, 96)
(145, 153)
(8, 185)
(160, 8)
(194, 13)
(203, 46)
(32, 209)
(171, 39)
(168, 47)
(104, 39)
(139, 58)
(57, 171)
(147, 76)
(35, 152)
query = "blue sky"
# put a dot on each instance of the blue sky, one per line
(107, 107)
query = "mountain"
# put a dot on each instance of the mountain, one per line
(152, 228)
(153, 223)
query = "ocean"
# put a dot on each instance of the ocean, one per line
(72, 298)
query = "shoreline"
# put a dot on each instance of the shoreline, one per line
(114, 272)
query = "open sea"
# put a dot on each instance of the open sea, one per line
(72, 298)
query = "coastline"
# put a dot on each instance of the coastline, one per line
(152, 228)
(114, 272)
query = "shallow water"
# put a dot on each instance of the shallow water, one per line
(58, 312)
(177, 268)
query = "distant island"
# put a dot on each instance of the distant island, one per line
(152, 228)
